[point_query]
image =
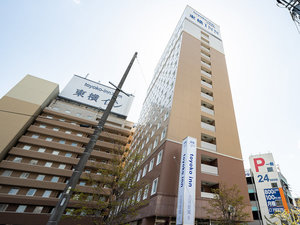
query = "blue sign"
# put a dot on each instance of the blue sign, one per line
(274, 201)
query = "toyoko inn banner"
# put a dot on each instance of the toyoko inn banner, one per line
(96, 95)
(187, 183)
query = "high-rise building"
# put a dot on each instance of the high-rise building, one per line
(189, 96)
(268, 189)
(43, 134)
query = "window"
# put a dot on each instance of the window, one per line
(7, 173)
(46, 194)
(33, 162)
(35, 136)
(55, 152)
(62, 166)
(68, 111)
(147, 139)
(159, 157)
(31, 192)
(68, 155)
(154, 186)
(274, 185)
(40, 177)
(82, 183)
(78, 114)
(38, 209)
(49, 139)
(145, 170)
(62, 141)
(42, 126)
(149, 150)
(139, 195)
(55, 179)
(41, 150)
(146, 192)
(17, 159)
(158, 125)
(26, 147)
(55, 129)
(152, 133)
(139, 176)
(163, 134)
(62, 120)
(79, 135)
(13, 191)
(3, 207)
(68, 132)
(48, 164)
(155, 143)
(166, 115)
(270, 169)
(74, 144)
(24, 175)
(151, 165)
(49, 117)
(21, 208)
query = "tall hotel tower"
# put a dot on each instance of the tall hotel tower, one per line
(188, 96)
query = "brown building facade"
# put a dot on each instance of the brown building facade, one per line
(188, 96)
(42, 138)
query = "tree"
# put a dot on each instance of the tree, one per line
(227, 206)
(122, 202)
(291, 217)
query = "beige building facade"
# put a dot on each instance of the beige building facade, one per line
(42, 138)
(188, 96)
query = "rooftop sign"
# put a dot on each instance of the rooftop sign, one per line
(94, 94)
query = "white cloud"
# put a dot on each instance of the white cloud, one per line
(76, 1)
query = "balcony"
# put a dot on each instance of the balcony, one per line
(204, 47)
(207, 195)
(206, 64)
(207, 110)
(208, 146)
(208, 126)
(207, 96)
(205, 56)
(209, 169)
(206, 84)
(206, 73)
(207, 189)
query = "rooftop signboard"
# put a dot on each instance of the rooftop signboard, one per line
(97, 95)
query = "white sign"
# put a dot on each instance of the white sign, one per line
(94, 94)
(269, 190)
(187, 183)
(202, 21)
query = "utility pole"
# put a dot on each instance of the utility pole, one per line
(67, 193)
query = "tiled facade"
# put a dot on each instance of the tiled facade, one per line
(34, 172)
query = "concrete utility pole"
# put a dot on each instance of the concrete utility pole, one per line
(67, 193)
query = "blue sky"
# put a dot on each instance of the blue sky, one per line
(54, 39)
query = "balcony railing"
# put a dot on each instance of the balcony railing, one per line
(209, 169)
(205, 56)
(208, 126)
(206, 84)
(208, 146)
(207, 195)
(206, 73)
(207, 96)
(207, 110)
(206, 64)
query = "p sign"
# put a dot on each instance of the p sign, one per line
(258, 162)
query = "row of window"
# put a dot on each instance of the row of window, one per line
(143, 171)
(30, 192)
(21, 208)
(57, 129)
(142, 194)
(36, 136)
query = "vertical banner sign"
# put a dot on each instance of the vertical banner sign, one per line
(187, 183)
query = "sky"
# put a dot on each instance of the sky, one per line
(55, 39)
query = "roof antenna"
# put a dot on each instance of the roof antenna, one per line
(87, 75)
